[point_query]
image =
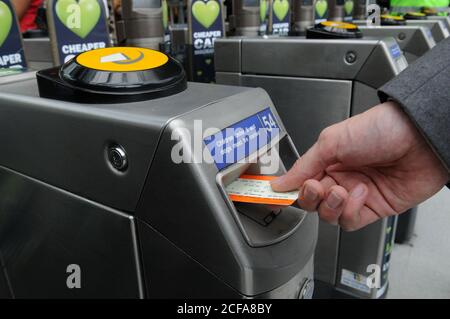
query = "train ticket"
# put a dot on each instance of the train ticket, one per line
(256, 189)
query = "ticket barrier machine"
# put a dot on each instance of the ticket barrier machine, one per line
(141, 24)
(359, 11)
(302, 16)
(436, 28)
(89, 183)
(247, 17)
(445, 19)
(314, 84)
(414, 41)
(39, 52)
(37, 43)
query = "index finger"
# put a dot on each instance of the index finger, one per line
(311, 165)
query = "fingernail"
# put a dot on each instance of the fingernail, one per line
(310, 194)
(334, 200)
(358, 191)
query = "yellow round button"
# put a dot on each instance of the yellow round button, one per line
(122, 59)
(388, 16)
(417, 14)
(340, 25)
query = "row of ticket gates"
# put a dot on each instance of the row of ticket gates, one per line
(87, 178)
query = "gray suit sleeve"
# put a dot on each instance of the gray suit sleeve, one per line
(423, 90)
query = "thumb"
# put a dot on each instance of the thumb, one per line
(312, 164)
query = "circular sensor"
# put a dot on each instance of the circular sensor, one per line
(122, 59)
(339, 25)
(415, 16)
(334, 30)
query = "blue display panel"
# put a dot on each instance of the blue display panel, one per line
(395, 51)
(243, 138)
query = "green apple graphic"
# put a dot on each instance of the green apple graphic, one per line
(79, 17)
(6, 20)
(321, 7)
(206, 13)
(165, 13)
(348, 7)
(281, 8)
(263, 10)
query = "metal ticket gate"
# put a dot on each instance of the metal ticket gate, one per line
(314, 84)
(91, 188)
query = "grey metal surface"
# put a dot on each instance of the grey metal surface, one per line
(38, 50)
(227, 55)
(40, 65)
(141, 24)
(363, 97)
(300, 57)
(336, 10)
(151, 43)
(179, 36)
(249, 270)
(246, 16)
(44, 230)
(297, 56)
(359, 12)
(313, 86)
(413, 40)
(89, 144)
(327, 253)
(62, 202)
(292, 289)
(381, 58)
(368, 245)
(16, 80)
(302, 104)
(171, 273)
(445, 19)
(5, 291)
(5, 288)
(437, 28)
(302, 15)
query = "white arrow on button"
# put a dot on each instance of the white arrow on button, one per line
(114, 58)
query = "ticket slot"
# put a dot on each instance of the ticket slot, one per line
(263, 225)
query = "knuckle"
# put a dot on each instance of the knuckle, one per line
(327, 141)
(309, 207)
(297, 164)
(327, 134)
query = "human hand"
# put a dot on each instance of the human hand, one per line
(370, 166)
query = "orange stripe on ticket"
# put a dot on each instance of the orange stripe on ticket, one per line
(258, 177)
(259, 200)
